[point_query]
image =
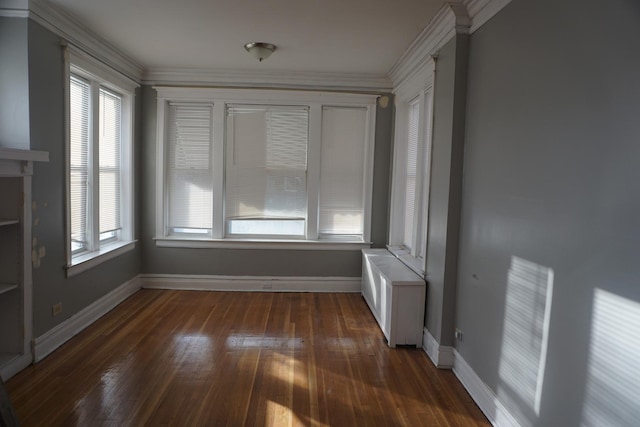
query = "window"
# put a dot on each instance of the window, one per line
(411, 171)
(238, 166)
(266, 171)
(189, 169)
(99, 164)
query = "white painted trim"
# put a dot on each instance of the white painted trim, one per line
(448, 21)
(92, 69)
(74, 31)
(87, 261)
(482, 394)
(16, 365)
(455, 16)
(274, 97)
(13, 13)
(442, 356)
(267, 79)
(483, 10)
(305, 245)
(54, 338)
(250, 283)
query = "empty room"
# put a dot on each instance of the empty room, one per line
(320, 213)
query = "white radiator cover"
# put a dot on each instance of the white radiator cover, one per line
(395, 295)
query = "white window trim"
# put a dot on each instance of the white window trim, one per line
(79, 63)
(418, 86)
(220, 98)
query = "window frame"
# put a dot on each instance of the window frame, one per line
(100, 76)
(417, 89)
(220, 98)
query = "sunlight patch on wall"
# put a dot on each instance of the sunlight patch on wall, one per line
(525, 337)
(612, 395)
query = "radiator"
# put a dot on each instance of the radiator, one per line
(395, 295)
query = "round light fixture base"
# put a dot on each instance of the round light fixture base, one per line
(260, 50)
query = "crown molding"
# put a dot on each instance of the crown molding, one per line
(76, 33)
(452, 18)
(481, 11)
(455, 17)
(270, 79)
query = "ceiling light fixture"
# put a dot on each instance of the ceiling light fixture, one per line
(260, 50)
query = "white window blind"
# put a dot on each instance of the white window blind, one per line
(266, 170)
(189, 171)
(421, 250)
(411, 172)
(79, 162)
(341, 203)
(110, 144)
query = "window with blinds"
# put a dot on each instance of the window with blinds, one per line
(189, 169)
(79, 92)
(266, 170)
(110, 145)
(99, 200)
(411, 177)
(411, 174)
(270, 167)
(342, 172)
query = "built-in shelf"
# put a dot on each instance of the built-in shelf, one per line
(16, 310)
(6, 287)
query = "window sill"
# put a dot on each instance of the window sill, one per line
(415, 264)
(314, 245)
(89, 260)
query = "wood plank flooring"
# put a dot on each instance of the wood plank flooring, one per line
(238, 359)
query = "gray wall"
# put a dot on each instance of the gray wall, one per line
(258, 262)
(50, 286)
(551, 185)
(14, 84)
(446, 187)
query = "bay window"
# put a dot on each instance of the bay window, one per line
(242, 166)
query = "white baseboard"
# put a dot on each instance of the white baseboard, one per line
(484, 397)
(14, 366)
(51, 340)
(250, 283)
(441, 355)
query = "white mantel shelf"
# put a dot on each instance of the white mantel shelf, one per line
(23, 155)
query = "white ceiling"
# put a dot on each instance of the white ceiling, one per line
(338, 36)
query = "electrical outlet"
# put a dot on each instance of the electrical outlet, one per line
(458, 335)
(266, 285)
(56, 309)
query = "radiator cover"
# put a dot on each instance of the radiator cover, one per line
(396, 296)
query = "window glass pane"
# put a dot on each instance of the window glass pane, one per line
(79, 162)
(110, 144)
(266, 173)
(411, 170)
(341, 206)
(189, 172)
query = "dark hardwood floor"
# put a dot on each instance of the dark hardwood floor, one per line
(239, 359)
